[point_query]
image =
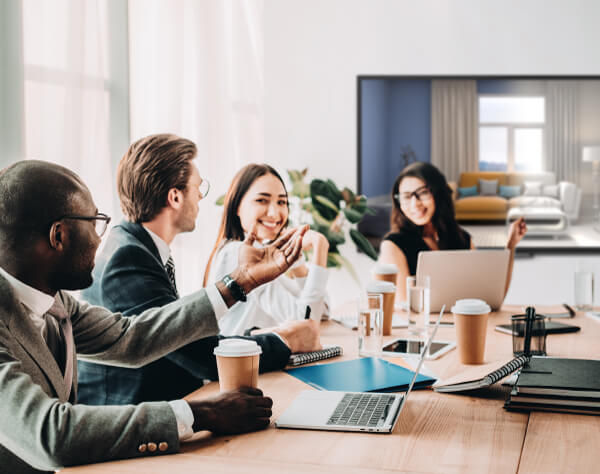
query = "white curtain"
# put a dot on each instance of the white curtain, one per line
(563, 151)
(454, 126)
(66, 90)
(196, 70)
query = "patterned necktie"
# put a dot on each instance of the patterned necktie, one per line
(59, 312)
(170, 267)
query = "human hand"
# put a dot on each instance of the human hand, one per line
(313, 240)
(319, 244)
(233, 412)
(517, 231)
(300, 336)
(260, 265)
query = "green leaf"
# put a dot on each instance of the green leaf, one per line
(319, 219)
(335, 238)
(220, 200)
(299, 187)
(329, 191)
(348, 196)
(294, 175)
(371, 212)
(326, 202)
(332, 261)
(359, 204)
(334, 189)
(353, 216)
(363, 244)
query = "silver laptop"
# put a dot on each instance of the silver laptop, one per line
(350, 411)
(458, 274)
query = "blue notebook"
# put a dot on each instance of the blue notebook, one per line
(369, 374)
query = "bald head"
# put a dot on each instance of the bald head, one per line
(33, 194)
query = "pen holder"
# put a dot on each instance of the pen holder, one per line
(528, 333)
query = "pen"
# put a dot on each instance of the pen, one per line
(569, 309)
(307, 314)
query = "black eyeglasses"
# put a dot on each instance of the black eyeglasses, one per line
(100, 221)
(422, 194)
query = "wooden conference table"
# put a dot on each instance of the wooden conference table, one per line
(435, 433)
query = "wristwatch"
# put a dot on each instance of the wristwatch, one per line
(236, 290)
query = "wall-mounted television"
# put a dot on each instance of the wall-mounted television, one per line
(519, 123)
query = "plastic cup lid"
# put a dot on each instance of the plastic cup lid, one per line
(385, 269)
(237, 348)
(471, 306)
(381, 287)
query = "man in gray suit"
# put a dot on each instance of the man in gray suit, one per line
(49, 233)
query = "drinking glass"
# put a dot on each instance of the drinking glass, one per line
(584, 286)
(417, 304)
(369, 310)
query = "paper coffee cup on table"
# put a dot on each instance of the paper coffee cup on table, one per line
(388, 292)
(470, 322)
(385, 272)
(237, 363)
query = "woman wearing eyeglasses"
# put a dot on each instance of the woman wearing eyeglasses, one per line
(423, 219)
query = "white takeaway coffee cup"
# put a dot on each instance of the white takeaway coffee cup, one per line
(237, 363)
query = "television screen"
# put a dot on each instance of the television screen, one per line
(485, 123)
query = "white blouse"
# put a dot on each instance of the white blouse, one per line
(280, 300)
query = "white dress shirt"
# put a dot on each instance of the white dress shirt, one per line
(280, 300)
(36, 301)
(213, 294)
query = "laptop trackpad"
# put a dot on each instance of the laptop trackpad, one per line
(310, 408)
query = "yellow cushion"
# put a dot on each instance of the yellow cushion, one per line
(481, 204)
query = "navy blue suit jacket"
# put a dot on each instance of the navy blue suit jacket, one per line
(129, 277)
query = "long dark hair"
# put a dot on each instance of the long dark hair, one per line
(231, 226)
(450, 235)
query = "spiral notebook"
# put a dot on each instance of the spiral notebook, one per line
(472, 379)
(327, 352)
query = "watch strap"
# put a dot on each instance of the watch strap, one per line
(237, 292)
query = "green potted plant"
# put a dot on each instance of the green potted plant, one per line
(333, 213)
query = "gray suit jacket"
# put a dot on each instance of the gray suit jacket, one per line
(40, 429)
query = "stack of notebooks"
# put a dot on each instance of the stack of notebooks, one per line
(557, 384)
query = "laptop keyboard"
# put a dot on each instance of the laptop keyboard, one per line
(361, 409)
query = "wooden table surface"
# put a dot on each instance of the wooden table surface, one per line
(436, 432)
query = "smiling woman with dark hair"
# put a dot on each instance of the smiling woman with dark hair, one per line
(423, 219)
(257, 201)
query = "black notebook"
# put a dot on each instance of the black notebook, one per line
(307, 357)
(560, 377)
(527, 407)
(472, 379)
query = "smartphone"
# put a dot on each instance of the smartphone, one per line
(413, 347)
(551, 328)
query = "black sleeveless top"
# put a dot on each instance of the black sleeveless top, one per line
(411, 244)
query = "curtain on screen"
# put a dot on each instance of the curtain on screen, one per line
(454, 126)
(563, 152)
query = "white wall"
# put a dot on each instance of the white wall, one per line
(550, 279)
(314, 49)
